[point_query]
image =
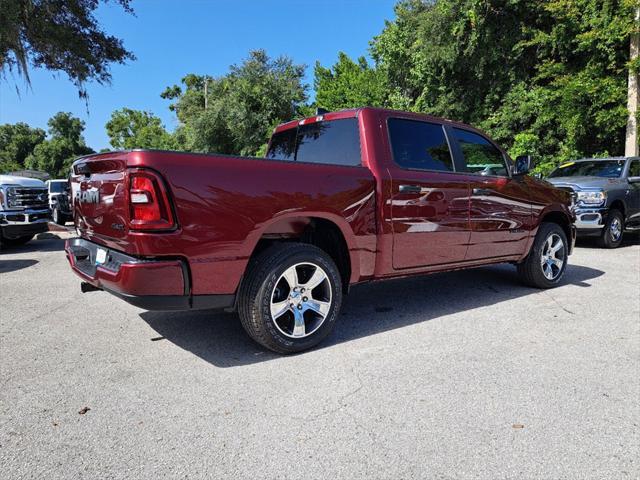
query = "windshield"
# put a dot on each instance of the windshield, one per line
(596, 168)
(57, 187)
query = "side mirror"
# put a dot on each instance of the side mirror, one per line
(523, 165)
(633, 179)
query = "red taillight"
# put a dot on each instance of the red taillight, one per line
(148, 202)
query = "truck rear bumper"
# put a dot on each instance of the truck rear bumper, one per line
(151, 284)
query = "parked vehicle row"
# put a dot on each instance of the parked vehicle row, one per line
(341, 198)
(24, 209)
(607, 193)
(28, 204)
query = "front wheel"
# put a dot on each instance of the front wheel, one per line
(290, 298)
(547, 261)
(611, 236)
(58, 217)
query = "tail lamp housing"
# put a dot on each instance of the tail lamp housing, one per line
(149, 207)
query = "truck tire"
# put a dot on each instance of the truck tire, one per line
(547, 261)
(58, 217)
(15, 242)
(290, 298)
(611, 236)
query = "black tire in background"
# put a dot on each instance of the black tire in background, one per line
(611, 236)
(15, 242)
(532, 269)
(264, 287)
(57, 217)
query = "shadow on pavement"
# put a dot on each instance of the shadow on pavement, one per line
(49, 244)
(629, 239)
(219, 338)
(13, 265)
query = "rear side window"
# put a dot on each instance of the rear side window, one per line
(283, 145)
(335, 142)
(480, 155)
(419, 145)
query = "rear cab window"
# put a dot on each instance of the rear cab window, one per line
(480, 155)
(419, 145)
(332, 142)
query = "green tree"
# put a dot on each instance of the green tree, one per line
(61, 36)
(236, 113)
(64, 145)
(349, 84)
(554, 71)
(17, 142)
(128, 129)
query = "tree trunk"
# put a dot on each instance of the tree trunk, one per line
(631, 143)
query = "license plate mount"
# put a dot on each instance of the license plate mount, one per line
(101, 256)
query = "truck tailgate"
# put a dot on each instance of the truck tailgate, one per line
(99, 196)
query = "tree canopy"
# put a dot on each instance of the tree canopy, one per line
(235, 113)
(548, 76)
(64, 145)
(349, 84)
(544, 77)
(61, 36)
(17, 141)
(128, 129)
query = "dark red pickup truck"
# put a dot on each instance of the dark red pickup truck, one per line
(341, 198)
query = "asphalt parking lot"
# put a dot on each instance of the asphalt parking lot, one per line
(456, 375)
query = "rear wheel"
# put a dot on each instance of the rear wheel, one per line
(611, 236)
(290, 298)
(547, 261)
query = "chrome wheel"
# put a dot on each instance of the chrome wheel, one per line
(615, 229)
(301, 300)
(553, 257)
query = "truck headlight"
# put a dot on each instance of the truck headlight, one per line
(592, 198)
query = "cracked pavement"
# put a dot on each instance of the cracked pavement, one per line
(456, 375)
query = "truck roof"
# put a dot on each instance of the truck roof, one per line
(604, 159)
(353, 112)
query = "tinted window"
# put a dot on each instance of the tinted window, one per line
(335, 142)
(283, 145)
(57, 187)
(419, 145)
(634, 168)
(595, 168)
(480, 155)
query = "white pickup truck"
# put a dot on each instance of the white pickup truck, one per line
(24, 209)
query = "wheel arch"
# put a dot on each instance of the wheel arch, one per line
(330, 233)
(560, 218)
(618, 204)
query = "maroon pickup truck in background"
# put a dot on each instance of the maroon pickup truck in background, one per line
(341, 198)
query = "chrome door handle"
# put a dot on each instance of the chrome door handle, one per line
(482, 191)
(410, 189)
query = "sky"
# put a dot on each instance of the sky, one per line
(172, 38)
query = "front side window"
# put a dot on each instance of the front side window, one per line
(480, 155)
(419, 145)
(634, 168)
(335, 142)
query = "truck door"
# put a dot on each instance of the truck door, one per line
(429, 200)
(500, 205)
(633, 204)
